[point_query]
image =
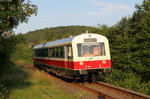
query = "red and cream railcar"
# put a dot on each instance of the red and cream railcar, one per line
(84, 54)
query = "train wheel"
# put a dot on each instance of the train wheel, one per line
(84, 78)
(93, 78)
(81, 79)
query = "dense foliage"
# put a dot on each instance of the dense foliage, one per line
(8, 70)
(50, 34)
(130, 44)
(12, 13)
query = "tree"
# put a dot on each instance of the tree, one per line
(130, 42)
(141, 39)
(14, 12)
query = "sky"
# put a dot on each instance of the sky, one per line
(53, 13)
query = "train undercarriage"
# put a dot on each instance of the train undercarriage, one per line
(89, 75)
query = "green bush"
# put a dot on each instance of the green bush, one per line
(129, 80)
(22, 53)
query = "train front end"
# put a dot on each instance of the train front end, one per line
(91, 54)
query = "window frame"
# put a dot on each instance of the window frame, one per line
(80, 47)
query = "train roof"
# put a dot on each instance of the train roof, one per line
(69, 39)
(64, 40)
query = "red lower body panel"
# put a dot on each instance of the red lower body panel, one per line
(94, 64)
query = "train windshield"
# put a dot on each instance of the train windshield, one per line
(94, 49)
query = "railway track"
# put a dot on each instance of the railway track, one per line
(107, 91)
(103, 90)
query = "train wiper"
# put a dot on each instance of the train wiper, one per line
(93, 57)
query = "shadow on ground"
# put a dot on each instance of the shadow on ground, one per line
(12, 76)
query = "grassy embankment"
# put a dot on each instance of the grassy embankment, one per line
(29, 84)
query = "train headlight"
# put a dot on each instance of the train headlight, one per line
(104, 62)
(81, 63)
(100, 65)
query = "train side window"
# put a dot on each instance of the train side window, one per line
(45, 52)
(69, 50)
(36, 52)
(49, 52)
(42, 52)
(62, 51)
(79, 49)
(57, 52)
(53, 52)
(39, 52)
(102, 49)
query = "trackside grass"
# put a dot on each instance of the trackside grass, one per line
(41, 86)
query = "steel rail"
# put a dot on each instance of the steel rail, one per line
(101, 95)
(130, 93)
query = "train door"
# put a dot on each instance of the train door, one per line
(68, 56)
